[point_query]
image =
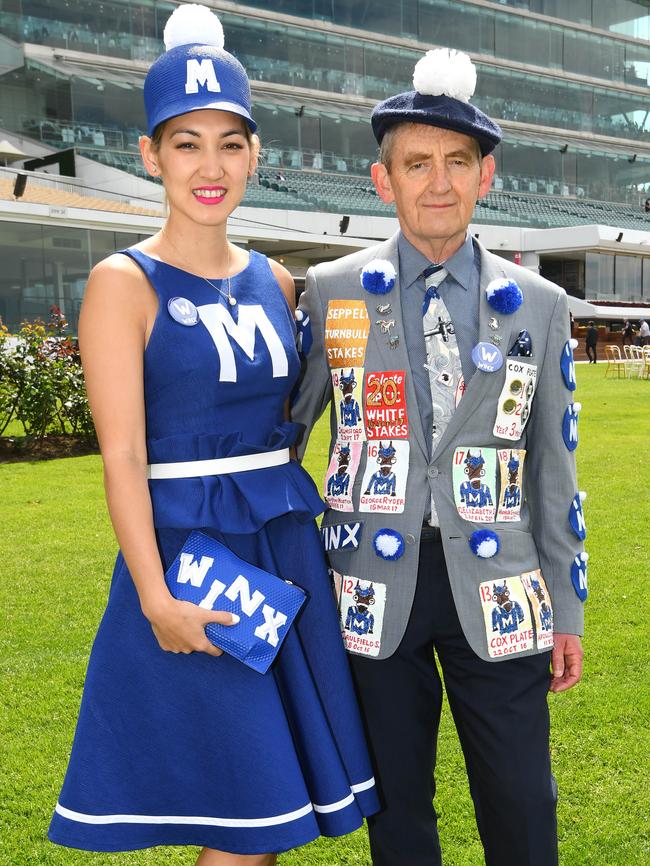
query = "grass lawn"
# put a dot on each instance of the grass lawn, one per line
(58, 555)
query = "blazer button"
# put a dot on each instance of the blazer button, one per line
(410, 538)
(433, 472)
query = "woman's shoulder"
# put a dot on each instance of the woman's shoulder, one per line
(284, 280)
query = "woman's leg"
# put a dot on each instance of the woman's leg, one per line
(210, 857)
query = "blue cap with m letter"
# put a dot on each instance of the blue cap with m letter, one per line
(195, 72)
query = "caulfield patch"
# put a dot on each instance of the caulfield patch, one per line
(383, 487)
(362, 607)
(508, 623)
(341, 536)
(511, 470)
(513, 408)
(385, 405)
(341, 473)
(540, 603)
(349, 382)
(474, 478)
(346, 333)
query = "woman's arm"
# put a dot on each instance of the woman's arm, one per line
(117, 315)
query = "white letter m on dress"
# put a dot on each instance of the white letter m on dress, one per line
(223, 328)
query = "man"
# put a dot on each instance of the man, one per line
(591, 341)
(644, 333)
(468, 359)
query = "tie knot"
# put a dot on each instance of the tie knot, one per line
(431, 270)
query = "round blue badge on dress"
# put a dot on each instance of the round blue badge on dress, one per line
(576, 516)
(183, 311)
(567, 364)
(487, 357)
(579, 575)
(570, 426)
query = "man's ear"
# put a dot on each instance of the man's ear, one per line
(381, 180)
(488, 167)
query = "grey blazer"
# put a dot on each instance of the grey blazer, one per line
(541, 539)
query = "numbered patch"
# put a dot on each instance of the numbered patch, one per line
(341, 536)
(341, 473)
(348, 381)
(540, 603)
(346, 333)
(384, 481)
(362, 607)
(511, 471)
(385, 405)
(508, 623)
(474, 477)
(515, 400)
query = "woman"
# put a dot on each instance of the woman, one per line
(188, 346)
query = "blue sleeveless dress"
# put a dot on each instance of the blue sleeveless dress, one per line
(174, 749)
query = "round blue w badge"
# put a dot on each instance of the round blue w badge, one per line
(487, 357)
(183, 311)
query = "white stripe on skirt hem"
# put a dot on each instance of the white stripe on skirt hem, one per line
(213, 822)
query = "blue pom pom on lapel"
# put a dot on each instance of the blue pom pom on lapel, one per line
(484, 543)
(504, 296)
(378, 277)
(388, 544)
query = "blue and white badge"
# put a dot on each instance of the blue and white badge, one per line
(576, 516)
(579, 575)
(341, 536)
(567, 364)
(487, 357)
(570, 426)
(183, 311)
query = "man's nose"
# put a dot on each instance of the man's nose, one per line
(439, 178)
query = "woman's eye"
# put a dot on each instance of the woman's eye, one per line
(185, 145)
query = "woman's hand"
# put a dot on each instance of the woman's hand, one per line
(179, 626)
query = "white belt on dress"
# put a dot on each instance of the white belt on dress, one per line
(219, 465)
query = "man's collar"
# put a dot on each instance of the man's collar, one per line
(412, 262)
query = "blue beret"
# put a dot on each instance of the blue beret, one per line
(442, 111)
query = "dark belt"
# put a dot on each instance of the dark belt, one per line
(430, 533)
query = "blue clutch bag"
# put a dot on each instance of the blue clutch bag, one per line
(208, 574)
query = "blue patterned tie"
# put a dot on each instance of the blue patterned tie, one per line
(443, 359)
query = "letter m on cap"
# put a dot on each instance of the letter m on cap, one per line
(201, 73)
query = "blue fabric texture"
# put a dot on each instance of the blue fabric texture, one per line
(191, 749)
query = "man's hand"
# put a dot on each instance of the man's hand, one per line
(566, 662)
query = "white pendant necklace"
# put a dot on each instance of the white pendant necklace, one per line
(228, 294)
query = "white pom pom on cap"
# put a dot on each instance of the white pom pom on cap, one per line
(583, 495)
(445, 72)
(584, 556)
(573, 343)
(576, 407)
(192, 24)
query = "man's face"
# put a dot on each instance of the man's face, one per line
(435, 179)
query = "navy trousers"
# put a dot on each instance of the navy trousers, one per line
(501, 715)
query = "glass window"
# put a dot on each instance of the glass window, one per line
(627, 283)
(599, 276)
(646, 279)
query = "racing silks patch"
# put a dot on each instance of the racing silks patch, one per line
(508, 623)
(540, 602)
(339, 479)
(383, 488)
(511, 469)
(385, 405)
(347, 326)
(349, 382)
(362, 607)
(474, 477)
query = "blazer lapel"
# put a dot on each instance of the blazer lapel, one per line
(478, 386)
(395, 358)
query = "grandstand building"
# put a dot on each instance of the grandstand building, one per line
(568, 82)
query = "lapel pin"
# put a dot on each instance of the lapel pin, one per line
(183, 311)
(487, 357)
(497, 339)
(384, 309)
(385, 325)
(393, 341)
(493, 324)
